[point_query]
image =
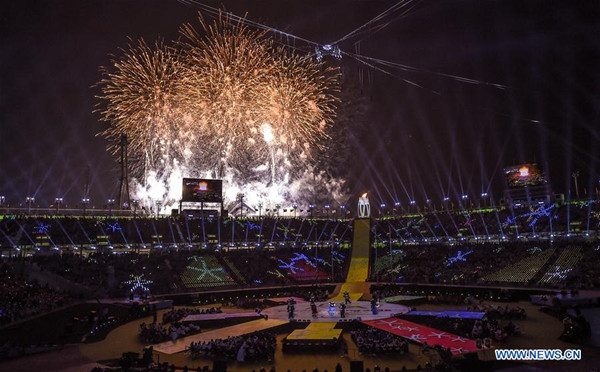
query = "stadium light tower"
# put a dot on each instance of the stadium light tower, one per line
(310, 208)
(29, 200)
(295, 206)
(260, 205)
(2, 200)
(277, 206)
(240, 197)
(123, 195)
(111, 202)
(445, 200)
(58, 202)
(85, 202)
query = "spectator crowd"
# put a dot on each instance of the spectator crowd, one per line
(21, 299)
(250, 347)
(374, 341)
(154, 332)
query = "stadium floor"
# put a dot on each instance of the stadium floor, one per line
(541, 331)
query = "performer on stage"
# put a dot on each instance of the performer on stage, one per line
(313, 308)
(342, 310)
(331, 308)
(347, 297)
(374, 306)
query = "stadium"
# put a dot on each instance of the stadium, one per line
(245, 196)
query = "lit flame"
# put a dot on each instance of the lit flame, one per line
(524, 172)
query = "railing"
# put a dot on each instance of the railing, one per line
(41, 212)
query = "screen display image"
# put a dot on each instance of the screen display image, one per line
(202, 190)
(524, 175)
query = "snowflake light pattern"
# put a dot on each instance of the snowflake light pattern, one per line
(509, 221)
(292, 264)
(534, 215)
(138, 282)
(41, 229)
(252, 226)
(418, 338)
(557, 273)
(275, 273)
(438, 334)
(205, 271)
(460, 256)
(114, 227)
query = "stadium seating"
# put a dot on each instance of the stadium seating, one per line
(522, 271)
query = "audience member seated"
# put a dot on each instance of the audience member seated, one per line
(250, 347)
(154, 332)
(376, 341)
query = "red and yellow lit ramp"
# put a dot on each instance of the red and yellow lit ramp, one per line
(359, 262)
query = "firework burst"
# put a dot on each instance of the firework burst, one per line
(139, 99)
(223, 101)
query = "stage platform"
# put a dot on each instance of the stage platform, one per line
(177, 346)
(316, 336)
(220, 318)
(354, 310)
(421, 334)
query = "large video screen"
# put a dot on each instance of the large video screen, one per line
(524, 175)
(202, 190)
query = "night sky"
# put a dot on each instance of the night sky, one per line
(447, 138)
